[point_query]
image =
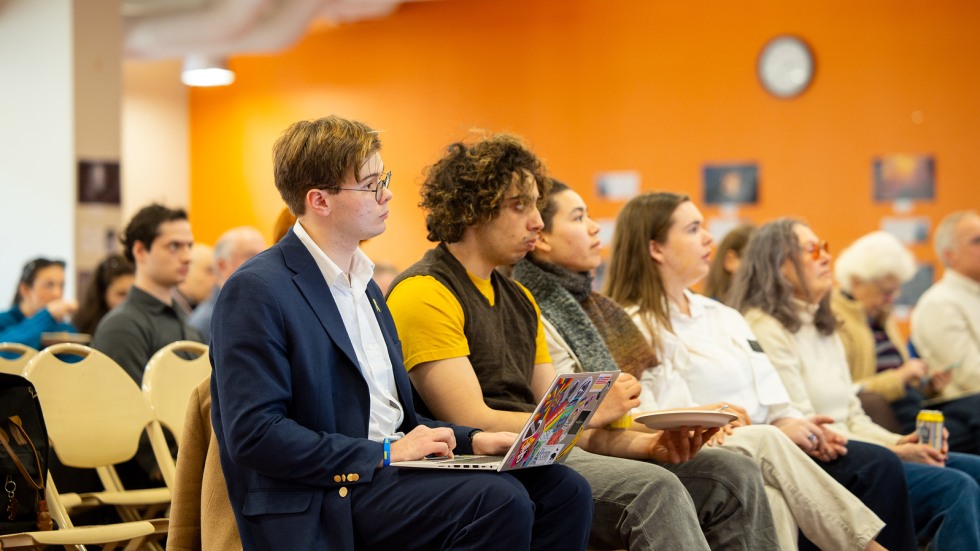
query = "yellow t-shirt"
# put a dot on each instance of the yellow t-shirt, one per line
(430, 320)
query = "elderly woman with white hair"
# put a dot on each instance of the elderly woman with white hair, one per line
(870, 273)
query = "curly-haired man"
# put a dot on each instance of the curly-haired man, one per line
(476, 351)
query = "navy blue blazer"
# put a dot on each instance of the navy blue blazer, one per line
(290, 406)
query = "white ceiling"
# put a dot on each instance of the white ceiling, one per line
(160, 29)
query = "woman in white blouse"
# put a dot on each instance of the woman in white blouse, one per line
(783, 288)
(660, 249)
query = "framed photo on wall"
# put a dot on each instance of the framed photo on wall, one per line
(903, 176)
(731, 184)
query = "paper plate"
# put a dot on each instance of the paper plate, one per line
(684, 418)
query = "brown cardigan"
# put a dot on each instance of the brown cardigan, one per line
(859, 343)
(200, 491)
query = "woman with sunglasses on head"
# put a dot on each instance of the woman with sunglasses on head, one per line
(783, 288)
(660, 250)
(588, 331)
(109, 287)
(38, 305)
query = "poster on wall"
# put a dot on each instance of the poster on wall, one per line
(730, 184)
(912, 290)
(620, 185)
(908, 229)
(902, 176)
(98, 182)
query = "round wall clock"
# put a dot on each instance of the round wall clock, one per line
(785, 66)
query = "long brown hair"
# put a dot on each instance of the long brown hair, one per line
(634, 277)
(759, 283)
(719, 279)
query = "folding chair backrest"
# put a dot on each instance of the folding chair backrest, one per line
(169, 380)
(94, 411)
(14, 356)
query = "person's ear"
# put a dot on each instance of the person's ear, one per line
(544, 243)
(731, 261)
(317, 200)
(656, 251)
(139, 251)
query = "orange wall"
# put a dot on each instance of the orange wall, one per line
(658, 87)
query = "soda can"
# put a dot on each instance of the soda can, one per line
(929, 427)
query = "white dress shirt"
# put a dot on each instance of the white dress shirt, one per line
(716, 355)
(946, 330)
(361, 322)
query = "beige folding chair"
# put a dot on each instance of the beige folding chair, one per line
(108, 536)
(168, 382)
(15, 366)
(95, 415)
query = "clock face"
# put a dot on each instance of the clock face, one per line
(785, 66)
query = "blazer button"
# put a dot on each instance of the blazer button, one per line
(353, 477)
(336, 478)
(343, 491)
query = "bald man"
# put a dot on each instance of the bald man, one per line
(200, 281)
(946, 320)
(233, 248)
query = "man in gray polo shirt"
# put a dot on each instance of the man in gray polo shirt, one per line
(158, 242)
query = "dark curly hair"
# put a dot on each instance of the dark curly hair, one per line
(466, 187)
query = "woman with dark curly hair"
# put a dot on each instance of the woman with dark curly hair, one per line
(109, 287)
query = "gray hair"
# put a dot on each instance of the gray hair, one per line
(872, 257)
(759, 283)
(225, 246)
(944, 232)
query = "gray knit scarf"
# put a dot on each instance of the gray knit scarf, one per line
(558, 292)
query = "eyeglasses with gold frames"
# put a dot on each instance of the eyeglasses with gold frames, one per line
(378, 188)
(815, 248)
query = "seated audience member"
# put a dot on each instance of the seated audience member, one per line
(284, 222)
(783, 288)
(946, 320)
(39, 306)
(200, 514)
(587, 331)
(233, 248)
(108, 288)
(200, 283)
(870, 274)
(725, 262)
(158, 241)
(475, 348)
(310, 399)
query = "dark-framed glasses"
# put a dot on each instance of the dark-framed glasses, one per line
(378, 189)
(814, 249)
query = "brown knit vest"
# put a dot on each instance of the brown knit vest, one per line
(501, 337)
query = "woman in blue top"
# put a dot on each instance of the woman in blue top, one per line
(38, 304)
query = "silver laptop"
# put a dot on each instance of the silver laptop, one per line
(550, 432)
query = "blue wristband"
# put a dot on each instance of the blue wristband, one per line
(387, 453)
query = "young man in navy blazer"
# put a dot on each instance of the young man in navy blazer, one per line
(311, 399)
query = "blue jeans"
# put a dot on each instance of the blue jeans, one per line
(873, 474)
(946, 502)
